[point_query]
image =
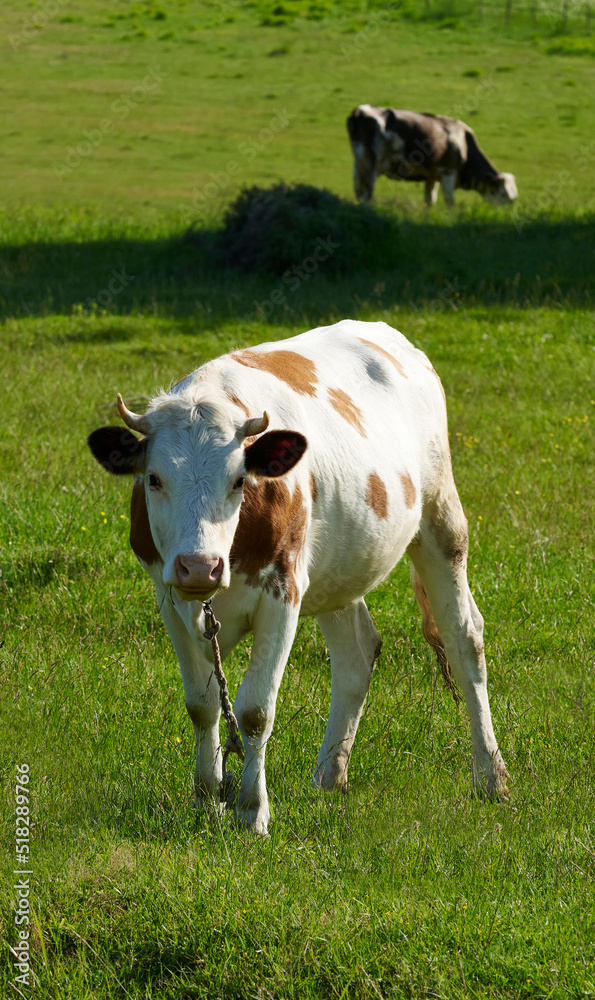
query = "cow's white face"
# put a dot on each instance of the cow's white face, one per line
(505, 190)
(193, 464)
(193, 488)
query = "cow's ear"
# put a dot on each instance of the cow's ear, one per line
(275, 453)
(119, 451)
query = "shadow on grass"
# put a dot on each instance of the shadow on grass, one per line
(410, 262)
(90, 335)
(39, 569)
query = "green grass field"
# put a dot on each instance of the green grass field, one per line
(407, 887)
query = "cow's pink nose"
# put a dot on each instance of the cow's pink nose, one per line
(198, 572)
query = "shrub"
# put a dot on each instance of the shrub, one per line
(271, 229)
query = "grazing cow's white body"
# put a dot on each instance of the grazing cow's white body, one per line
(414, 146)
(303, 535)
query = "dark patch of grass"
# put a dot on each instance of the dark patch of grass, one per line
(384, 256)
(40, 569)
(568, 45)
(442, 12)
(269, 230)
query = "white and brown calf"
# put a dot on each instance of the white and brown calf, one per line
(301, 510)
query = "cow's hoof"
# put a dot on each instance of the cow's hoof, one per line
(207, 807)
(329, 787)
(499, 791)
(254, 820)
(331, 775)
(257, 825)
(492, 786)
(205, 799)
(227, 791)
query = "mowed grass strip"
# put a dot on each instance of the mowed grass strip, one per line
(407, 886)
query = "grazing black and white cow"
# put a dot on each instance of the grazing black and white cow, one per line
(409, 146)
(301, 510)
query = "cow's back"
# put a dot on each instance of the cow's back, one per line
(408, 145)
(373, 412)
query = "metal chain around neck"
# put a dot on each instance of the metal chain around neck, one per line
(233, 744)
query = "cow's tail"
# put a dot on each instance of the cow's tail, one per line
(353, 124)
(431, 633)
(363, 127)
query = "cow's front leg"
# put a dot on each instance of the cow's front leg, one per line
(201, 691)
(364, 174)
(275, 623)
(448, 183)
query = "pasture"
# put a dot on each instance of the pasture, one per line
(407, 886)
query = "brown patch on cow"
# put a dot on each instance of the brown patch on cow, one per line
(435, 373)
(141, 539)
(298, 372)
(345, 406)
(408, 489)
(201, 717)
(431, 633)
(270, 535)
(237, 402)
(253, 721)
(376, 495)
(449, 527)
(385, 354)
(313, 487)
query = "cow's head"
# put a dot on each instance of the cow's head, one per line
(191, 464)
(500, 189)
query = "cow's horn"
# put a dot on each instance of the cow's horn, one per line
(256, 425)
(135, 421)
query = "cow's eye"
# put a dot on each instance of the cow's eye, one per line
(238, 483)
(154, 482)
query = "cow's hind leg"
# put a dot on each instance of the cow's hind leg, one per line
(354, 646)
(431, 633)
(454, 627)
